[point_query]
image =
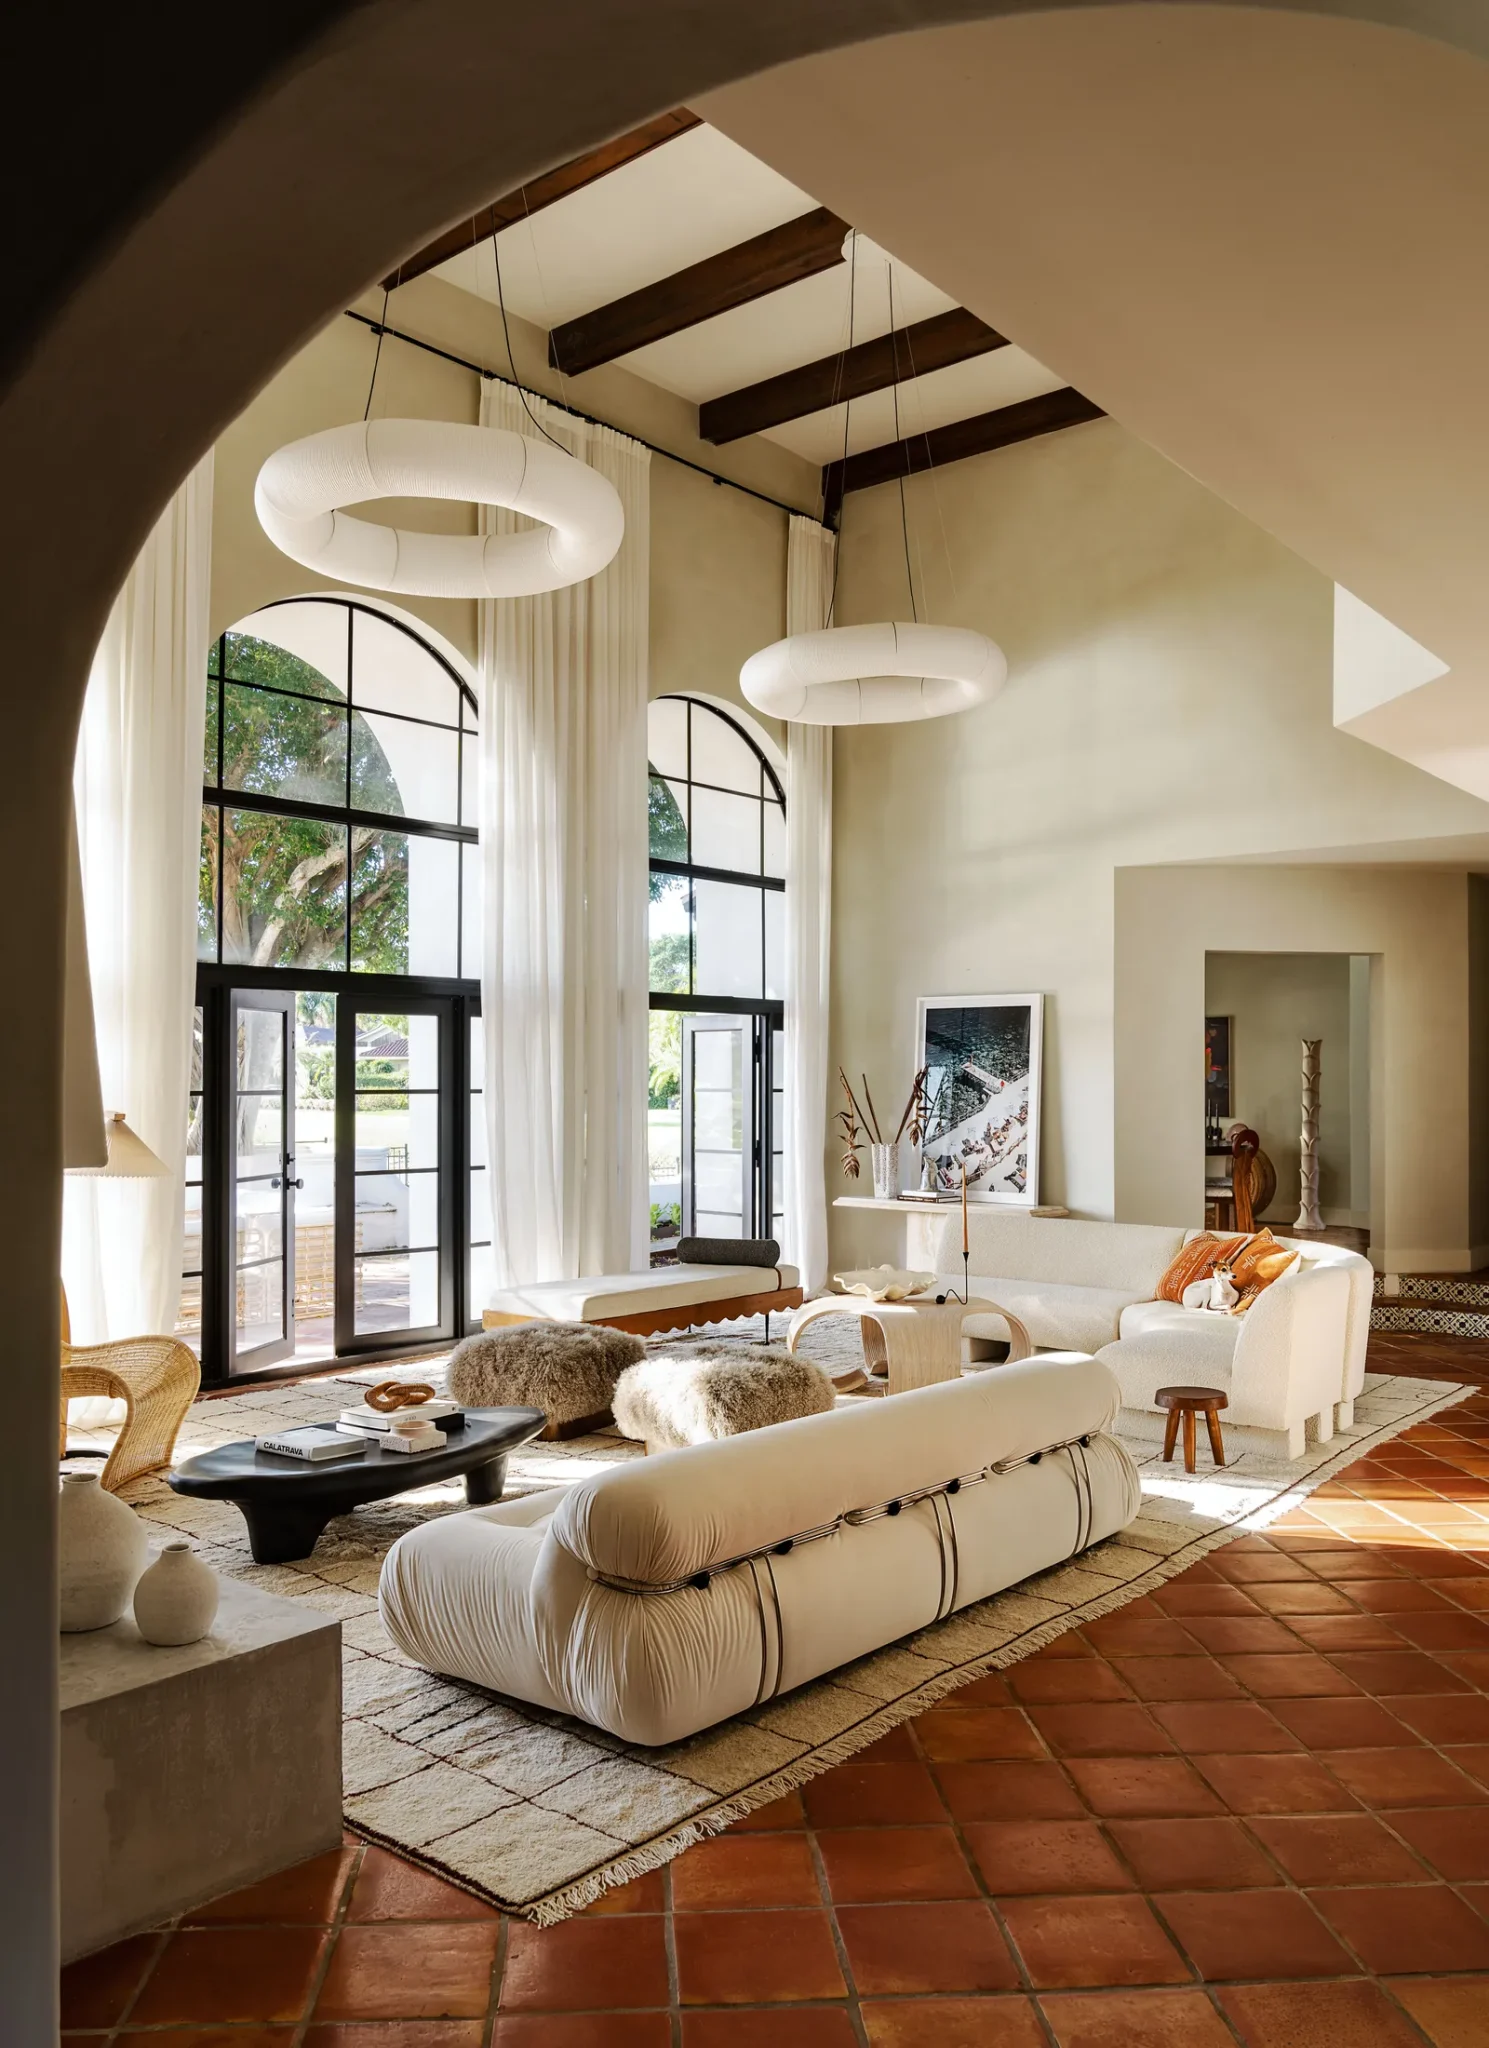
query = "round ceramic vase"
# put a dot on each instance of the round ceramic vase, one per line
(101, 1553)
(176, 1600)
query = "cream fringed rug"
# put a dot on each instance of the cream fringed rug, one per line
(540, 1814)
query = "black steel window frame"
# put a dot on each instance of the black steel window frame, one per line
(216, 799)
(458, 1002)
(770, 1010)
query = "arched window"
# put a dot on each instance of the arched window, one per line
(717, 817)
(325, 721)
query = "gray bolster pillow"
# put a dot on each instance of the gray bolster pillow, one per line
(728, 1251)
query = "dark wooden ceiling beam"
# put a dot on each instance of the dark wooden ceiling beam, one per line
(934, 344)
(573, 176)
(1000, 428)
(750, 270)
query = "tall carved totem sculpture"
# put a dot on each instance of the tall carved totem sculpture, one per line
(1310, 1216)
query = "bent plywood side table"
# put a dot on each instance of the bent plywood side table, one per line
(911, 1343)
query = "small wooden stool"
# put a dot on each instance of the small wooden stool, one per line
(1186, 1403)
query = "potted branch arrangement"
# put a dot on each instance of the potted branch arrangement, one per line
(860, 1128)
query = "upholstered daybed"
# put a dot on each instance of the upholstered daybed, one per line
(666, 1298)
(667, 1594)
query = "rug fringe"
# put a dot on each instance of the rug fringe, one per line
(572, 1898)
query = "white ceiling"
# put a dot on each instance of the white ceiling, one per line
(691, 198)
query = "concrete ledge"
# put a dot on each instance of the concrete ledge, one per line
(189, 1772)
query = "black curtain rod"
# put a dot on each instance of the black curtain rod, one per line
(461, 363)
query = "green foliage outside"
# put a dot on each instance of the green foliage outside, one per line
(284, 881)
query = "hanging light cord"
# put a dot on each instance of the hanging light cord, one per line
(837, 551)
(511, 359)
(895, 392)
(382, 328)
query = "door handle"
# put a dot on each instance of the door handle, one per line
(279, 1181)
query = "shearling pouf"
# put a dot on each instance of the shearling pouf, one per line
(690, 1397)
(568, 1370)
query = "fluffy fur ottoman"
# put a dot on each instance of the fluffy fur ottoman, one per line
(568, 1370)
(713, 1390)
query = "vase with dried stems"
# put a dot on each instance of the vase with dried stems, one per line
(861, 1126)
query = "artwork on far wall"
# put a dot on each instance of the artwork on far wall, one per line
(1217, 1068)
(982, 1056)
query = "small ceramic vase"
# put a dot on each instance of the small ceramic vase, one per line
(886, 1164)
(176, 1599)
(101, 1553)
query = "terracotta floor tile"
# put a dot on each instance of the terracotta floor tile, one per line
(897, 1747)
(1119, 1729)
(1291, 1597)
(1182, 1598)
(1395, 1596)
(1338, 1566)
(901, 1949)
(1351, 2015)
(1157, 1786)
(1062, 1680)
(1435, 1565)
(1404, 1777)
(1001, 2022)
(1408, 1927)
(377, 2034)
(874, 1795)
(870, 1866)
(1453, 2012)
(1322, 1848)
(581, 1964)
(1442, 1718)
(811, 2026)
(646, 1894)
(1008, 1791)
(1045, 1856)
(991, 1690)
(232, 1973)
(1452, 1629)
(1301, 1675)
(306, 1892)
(413, 1970)
(387, 1888)
(785, 1812)
(1223, 1727)
(1102, 1942)
(977, 1733)
(1472, 1758)
(1275, 1784)
(1127, 1635)
(1237, 1635)
(1241, 1563)
(562, 2030)
(1177, 1678)
(1331, 1632)
(1191, 1855)
(1470, 1664)
(1356, 1723)
(1136, 2019)
(97, 1989)
(756, 1958)
(1401, 1671)
(1467, 1591)
(1453, 1839)
(736, 1871)
(1254, 1934)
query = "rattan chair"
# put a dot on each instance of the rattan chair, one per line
(157, 1380)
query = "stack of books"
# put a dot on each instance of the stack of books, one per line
(311, 1446)
(363, 1421)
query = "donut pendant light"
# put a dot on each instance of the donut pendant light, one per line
(303, 487)
(888, 673)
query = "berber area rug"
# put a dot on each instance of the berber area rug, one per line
(540, 1814)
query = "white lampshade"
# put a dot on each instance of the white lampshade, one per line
(130, 1158)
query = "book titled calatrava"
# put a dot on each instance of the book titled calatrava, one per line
(312, 1446)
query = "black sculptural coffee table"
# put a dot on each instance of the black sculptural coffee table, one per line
(287, 1504)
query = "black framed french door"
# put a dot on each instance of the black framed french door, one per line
(731, 1126)
(340, 1166)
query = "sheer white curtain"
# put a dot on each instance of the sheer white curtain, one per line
(137, 786)
(564, 865)
(809, 566)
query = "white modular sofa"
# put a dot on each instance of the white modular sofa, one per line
(1291, 1366)
(667, 1594)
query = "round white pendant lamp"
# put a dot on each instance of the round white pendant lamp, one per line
(303, 487)
(881, 674)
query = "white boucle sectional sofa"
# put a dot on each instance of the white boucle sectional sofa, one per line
(1291, 1366)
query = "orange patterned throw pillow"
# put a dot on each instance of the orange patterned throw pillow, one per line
(1197, 1260)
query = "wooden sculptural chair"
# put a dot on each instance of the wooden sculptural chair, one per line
(156, 1378)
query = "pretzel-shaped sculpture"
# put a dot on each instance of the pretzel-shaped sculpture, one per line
(391, 1395)
(884, 674)
(303, 486)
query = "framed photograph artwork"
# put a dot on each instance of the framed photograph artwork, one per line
(982, 1060)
